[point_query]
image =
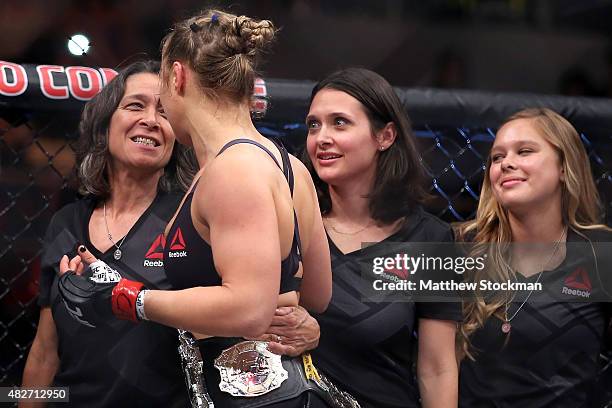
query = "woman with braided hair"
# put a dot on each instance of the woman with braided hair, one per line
(248, 236)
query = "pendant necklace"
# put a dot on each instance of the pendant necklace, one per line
(506, 325)
(117, 254)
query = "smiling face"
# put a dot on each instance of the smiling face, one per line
(341, 144)
(140, 137)
(525, 170)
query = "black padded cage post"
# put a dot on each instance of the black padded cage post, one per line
(39, 112)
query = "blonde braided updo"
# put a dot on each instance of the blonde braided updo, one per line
(222, 48)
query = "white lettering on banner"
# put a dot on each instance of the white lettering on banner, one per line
(15, 86)
(77, 86)
(47, 87)
(83, 83)
(108, 74)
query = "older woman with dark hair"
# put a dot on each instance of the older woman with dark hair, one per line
(132, 174)
(93, 149)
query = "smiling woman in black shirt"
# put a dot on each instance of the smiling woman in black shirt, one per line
(364, 162)
(132, 174)
(540, 350)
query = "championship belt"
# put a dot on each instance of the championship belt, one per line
(191, 360)
(245, 374)
(249, 369)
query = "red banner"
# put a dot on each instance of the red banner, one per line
(54, 87)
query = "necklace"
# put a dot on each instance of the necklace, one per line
(368, 225)
(506, 326)
(117, 254)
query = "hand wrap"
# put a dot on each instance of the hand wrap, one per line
(94, 300)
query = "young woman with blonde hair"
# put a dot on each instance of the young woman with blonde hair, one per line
(536, 348)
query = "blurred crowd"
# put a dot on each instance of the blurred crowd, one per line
(459, 50)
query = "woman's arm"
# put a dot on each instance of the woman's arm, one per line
(437, 370)
(316, 287)
(43, 361)
(237, 205)
(235, 210)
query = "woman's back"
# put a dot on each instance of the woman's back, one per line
(249, 165)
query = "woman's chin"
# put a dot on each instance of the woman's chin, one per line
(149, 165)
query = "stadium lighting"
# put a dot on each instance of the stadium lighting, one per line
(78, 44)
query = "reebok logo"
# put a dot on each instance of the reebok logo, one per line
(157, 262)
(177, 245)
(578, 283)
(155, 254)
(177, 242)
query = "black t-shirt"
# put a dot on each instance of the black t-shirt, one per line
(367, 347)
(550, 358)
(122, 363)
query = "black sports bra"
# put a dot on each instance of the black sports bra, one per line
(188, 258)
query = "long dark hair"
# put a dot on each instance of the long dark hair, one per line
(398, 184)
(92, 154)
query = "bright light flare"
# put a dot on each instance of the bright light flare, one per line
(78, 44)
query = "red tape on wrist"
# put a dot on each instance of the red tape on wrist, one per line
(124, 299)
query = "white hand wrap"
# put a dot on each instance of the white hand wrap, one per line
(140, 309)
(102, 273)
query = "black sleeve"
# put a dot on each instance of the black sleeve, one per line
(47, 270)
(439, 311)
(439, 231)
(59, 241)
(603, 253)
(604, 272)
